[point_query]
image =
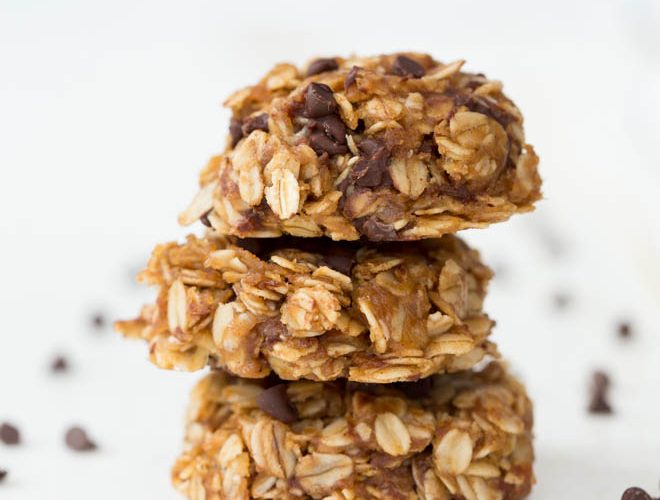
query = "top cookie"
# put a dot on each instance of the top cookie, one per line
(393, 147)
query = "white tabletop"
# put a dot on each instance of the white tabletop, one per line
(107, 111)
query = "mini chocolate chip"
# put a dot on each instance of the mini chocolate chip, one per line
(561, 300)
(321, 143)
(376, 230)
(624, 329)
(319, 101)
(9, 434)
(371, 169)
(332, 126)
(98, 321)
(3, 474)
(235, 131)
(59, 364)
(204, 219)
(635, 493)
(489, 109)
(77, 439)
(457, 191)
(404, 66)
(321, 66)
(275, 402)
(256, 122)
(598, 403)
(351, 77)
(416, 390)
(429, 146)
(341, 261)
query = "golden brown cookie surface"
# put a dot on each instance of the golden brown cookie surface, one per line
(394, 147)
(464, 435)
(316, 309)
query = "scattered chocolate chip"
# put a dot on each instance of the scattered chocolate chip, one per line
(256, 122)
(321, 66)
(275, 402)
(204, 219)
(376, 230)
(59, 364)
(351, 77)
(635, 493)
(371, 169)
(235, 131)
(624, 330)
(319, 101)
(98, 321)
(561, 300)
(598, 403)
(9, 434)
(404, 66)
(3, 474)
(77, 439)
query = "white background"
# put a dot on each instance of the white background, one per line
(109, 109)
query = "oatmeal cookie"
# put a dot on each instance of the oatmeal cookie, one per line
(316, 309)
(461, 436)
(393, 147)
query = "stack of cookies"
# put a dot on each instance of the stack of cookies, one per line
(350, 357)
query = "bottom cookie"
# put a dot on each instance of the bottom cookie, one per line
(465, 435)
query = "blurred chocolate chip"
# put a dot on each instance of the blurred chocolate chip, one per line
(635, 493)
(624, 329)
(600, 384)
(459, 192)
(235, 131)
(77, 439)
(319, 101)
(561, 300)
(9, 434)
(98, 321)
(371, 169)
(404, 66)
(416, 390)
(321, 66)
(3, 475)
(429, 146)
(204, 219)
(351, 77)
(275, 402)
(256, 122)
(59, 364)
(376, 230)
